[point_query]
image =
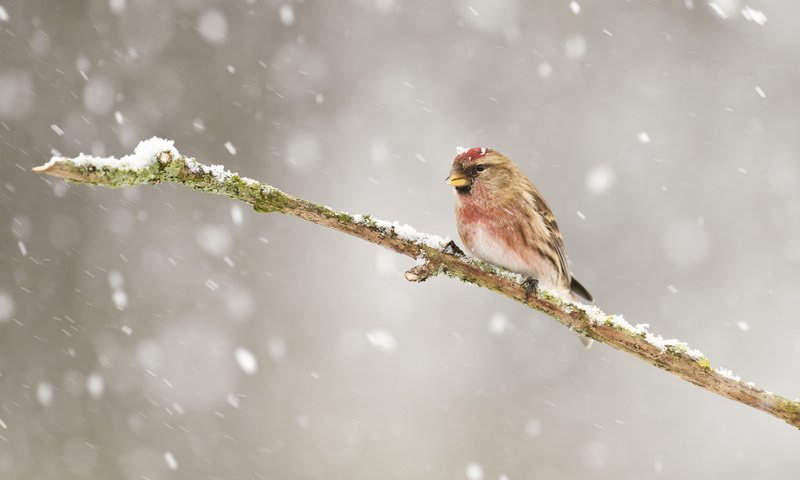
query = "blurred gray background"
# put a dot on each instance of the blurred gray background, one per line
(159, 333)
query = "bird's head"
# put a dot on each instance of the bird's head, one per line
(481, 168)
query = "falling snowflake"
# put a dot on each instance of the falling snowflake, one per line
(246, 360)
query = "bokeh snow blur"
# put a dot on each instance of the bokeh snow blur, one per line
(161, 333)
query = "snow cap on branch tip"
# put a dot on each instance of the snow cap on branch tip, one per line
(145, 153)
(151, 149)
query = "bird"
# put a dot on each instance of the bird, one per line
(503, 219)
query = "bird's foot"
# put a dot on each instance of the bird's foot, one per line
(531, 286)
(452, 248)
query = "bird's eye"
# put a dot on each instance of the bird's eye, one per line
(480, 167)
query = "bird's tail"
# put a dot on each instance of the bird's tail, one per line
(578, 289)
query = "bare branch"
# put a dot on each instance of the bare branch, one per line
(433, 257)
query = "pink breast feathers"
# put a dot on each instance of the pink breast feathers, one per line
(493, 235)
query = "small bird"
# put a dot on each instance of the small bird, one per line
(503, 219)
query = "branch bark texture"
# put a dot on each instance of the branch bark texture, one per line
(432, 257)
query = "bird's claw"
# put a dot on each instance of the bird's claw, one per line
(531, 286)
(452, 248)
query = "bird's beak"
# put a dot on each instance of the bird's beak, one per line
(457, 179)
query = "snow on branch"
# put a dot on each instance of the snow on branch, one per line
(156, 161)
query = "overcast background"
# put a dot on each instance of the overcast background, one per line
(160, 333)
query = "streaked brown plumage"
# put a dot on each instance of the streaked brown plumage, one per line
(503, 219)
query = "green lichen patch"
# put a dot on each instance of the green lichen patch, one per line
(274, 201)
(677, 348)
(117, 178)
(264, 207)
(175, 168)
(246, 191)
(790, 410)
(339, 216)
(369, 221)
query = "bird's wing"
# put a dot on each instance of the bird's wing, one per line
(549, 221)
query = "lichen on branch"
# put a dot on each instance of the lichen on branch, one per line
(157, 161)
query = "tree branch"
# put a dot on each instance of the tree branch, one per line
(156, 161)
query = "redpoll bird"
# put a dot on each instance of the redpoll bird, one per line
(504, 220)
